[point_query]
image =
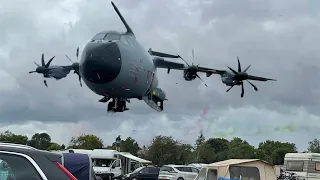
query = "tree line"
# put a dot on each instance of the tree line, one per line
(167, 150)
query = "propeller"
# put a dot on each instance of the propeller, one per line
(239, 76)
(75, 65)
(193, 66)
(44, 68)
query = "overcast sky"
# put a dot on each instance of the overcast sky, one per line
(279, 38)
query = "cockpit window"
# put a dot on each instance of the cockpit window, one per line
(99, 36)
(112, 37)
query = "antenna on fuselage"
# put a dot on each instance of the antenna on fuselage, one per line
(129, 30)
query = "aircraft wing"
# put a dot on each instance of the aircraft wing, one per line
(209, 70)
(257, 78)
(161, 63)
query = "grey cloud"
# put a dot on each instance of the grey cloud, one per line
(278, 38)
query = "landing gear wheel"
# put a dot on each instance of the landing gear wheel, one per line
(110, 106)
(121, 106)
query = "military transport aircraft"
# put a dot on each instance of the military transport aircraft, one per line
(48, 71)
(233, 78)
(116, 66)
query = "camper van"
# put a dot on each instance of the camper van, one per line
(304, 165)
(111, 163)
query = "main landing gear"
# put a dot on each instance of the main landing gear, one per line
(117, 105)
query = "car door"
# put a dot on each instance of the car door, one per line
(145, 174)
(188, 174)
(154, 173)
(116, 167)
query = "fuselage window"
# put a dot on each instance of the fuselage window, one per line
(124, 40)
(99, 36)
(112, 37)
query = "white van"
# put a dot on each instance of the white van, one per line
(304, 165)
(112, 163)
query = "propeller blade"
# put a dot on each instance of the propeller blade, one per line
(32, 71)
(49, 62)
(242, 90)
(201, 80)
(235, 72)
(183, 60)
(246, 69)
(77, 53)
(254, 87)
(42, 60)
(76, 72)
(69, 58)
(229, 88)
(239, 65)
(36, 64)
(192, 56)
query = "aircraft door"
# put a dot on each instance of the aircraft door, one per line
(116, 168)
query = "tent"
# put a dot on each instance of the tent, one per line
(79, 165)
(245, 169)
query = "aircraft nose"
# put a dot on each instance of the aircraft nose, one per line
(101, 62)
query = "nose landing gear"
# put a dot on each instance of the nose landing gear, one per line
(117, 105)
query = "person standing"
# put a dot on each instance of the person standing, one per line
(118, 141)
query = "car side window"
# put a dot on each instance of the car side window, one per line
(195, 170)
(154, 170)
(145, 171)
(117, 163)
(15, 167)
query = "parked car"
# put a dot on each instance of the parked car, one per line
(21, 162)
(177, 172)
(143, 173)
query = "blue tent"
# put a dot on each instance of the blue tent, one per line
(221, 178)
(79, 165)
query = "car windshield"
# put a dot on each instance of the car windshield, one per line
(112, 37)
(138, 169)
(102, 162)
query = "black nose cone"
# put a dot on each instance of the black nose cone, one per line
(101, 62)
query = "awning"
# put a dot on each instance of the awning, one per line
(130, 156)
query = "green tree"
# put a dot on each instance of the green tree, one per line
(130, 145)
(184, 153)
(40, 141)
(276, 150)
(314, 146)
(220, 147)
(163, 150)
(54, 147)
(201, 139)
(205, 154)
(8, 136)
(143, 152)
(240, 149)
(86, 141)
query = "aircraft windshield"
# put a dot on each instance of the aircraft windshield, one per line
(99, 36)
(112, 37)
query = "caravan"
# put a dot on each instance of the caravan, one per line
(304, 165)
(111, 163)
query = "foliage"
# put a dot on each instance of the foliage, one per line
(314, 146)
(86, 141)
(167, 150)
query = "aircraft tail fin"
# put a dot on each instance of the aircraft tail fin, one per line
(129, 30)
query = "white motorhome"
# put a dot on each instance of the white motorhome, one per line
(113, 163)
(304, 165)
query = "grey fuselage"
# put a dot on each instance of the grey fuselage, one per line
(115, 64)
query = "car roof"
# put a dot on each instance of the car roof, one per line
(27, 150)
(174, 165)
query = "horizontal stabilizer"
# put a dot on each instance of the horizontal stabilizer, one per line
(160, 54)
